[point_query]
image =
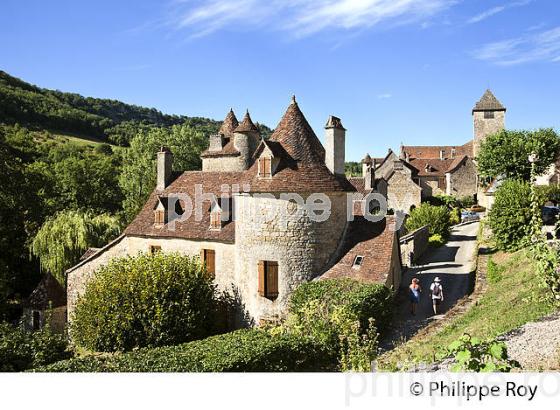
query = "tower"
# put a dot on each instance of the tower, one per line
(245, 139)
(488, 118)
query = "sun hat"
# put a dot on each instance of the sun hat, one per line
(437, 279)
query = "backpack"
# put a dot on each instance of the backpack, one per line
(437, 289)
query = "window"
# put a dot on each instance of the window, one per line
(358, 261)
(154, 249)
(36, 320)
(208, 256)
(488, 114)
(159, 217)
(215, 220)
(268, 279)
(265, 167)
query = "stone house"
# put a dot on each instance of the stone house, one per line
(252, 224)
(445, 169)
(46, 305)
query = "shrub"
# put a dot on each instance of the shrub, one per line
(340, 314)
(436, 241)
(247, 350)
(21, 350)
(510, 216)
(145, 301)
(454, 216)
(472, 355)
(466, 201)
(436, 217)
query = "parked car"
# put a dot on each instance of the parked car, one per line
(469, 216)
(550, 214)
(477, 208)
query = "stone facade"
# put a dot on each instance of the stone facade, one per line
(463, 180)
(222, 164)
(486, 126)
(415, 242)
(402, 192)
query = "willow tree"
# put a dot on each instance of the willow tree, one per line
(63, 238)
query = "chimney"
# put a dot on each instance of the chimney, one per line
(441, 154)
(335, 136)
(164, 168)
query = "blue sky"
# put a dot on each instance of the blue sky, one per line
(394, 70)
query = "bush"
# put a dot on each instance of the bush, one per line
(436, 241)
(510, 216)
(436, 217)
(466, 201)
(454, 216)
(21, 350)
(145, 301)
(247, 350)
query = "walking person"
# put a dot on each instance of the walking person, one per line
(414, 295)
(437, 294)
(411, 259)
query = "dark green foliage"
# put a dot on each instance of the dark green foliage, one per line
(506, 153)
(494, 271)
(353, 169)
(248, 350)
(146, 300)
(362, 299)
(436, 217)
(21, 350)
(510, 216)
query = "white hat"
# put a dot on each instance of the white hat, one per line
(437, 279)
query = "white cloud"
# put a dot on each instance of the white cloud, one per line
(384, 96)
(298, 17)
(541, 46)
(497, 9)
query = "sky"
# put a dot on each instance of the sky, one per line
(394, 71)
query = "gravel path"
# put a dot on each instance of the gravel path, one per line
(536, 345)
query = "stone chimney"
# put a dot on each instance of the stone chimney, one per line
(335, 136)
(164, 168)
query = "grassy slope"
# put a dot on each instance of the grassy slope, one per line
(509, 302)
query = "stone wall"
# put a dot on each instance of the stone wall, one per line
(486, 126)
(431, 186)
(417, 242)
(130, 245)
(223, 164)
(272, 229)
(403, 192)
(463, 181)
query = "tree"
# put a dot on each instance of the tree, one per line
(510, 216)
(506, 153)
(435, 217)
(138, 177)
(63, 238)
(145, 301)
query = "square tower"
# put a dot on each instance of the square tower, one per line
(489, 117)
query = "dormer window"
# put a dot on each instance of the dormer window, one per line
(265, 167)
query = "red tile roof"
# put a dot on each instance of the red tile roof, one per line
(434, 151)
(374, 241)
(230, 123)
(228, 150)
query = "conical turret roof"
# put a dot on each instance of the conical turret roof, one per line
(247, 125)
(229, 125)
(297, 137)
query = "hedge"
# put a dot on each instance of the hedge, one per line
(246, 350)
(436, 217)
(21, 350)
(365, 300)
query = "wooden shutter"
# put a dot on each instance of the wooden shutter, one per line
(262, 280)
(265, 167)
(271, 280)
(210, 261)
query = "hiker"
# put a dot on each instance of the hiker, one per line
(437, 294)
(414, 291)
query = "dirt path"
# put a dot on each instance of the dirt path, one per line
(453, 263)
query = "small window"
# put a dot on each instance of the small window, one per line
(208, 256)
(488, 114)
(265, 167)
(216, 220)
(268, 279)
(159, 217)
(358, 261)
(154, 249)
